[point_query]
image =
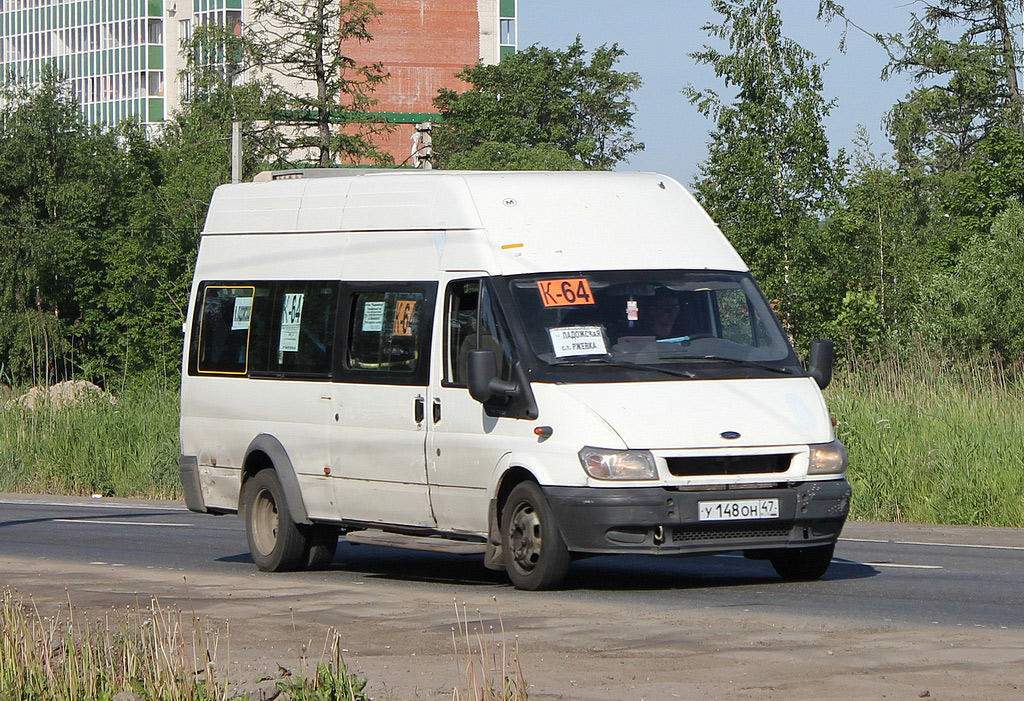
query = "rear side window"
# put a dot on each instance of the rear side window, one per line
(224, 328)
(266, 329)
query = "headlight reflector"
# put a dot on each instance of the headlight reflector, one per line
(618, 464)
(827, 459)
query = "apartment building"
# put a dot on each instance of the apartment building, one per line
(122, 57)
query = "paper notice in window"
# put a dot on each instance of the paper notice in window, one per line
(291, 322)
(405, 314)
(569, 341)
(242, 314)
(373, 316)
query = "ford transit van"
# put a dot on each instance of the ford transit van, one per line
(529, 366)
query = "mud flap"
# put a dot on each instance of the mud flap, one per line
(494, 558)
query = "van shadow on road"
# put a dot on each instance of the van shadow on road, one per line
(598, 573)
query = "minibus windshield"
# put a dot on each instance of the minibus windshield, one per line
(668, 322)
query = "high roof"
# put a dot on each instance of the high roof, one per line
(529, 220)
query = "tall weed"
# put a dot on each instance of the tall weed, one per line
(153, 651)
(129, 448)
(492, 670)
(932, 440)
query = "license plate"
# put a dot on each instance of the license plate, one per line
(738, 509)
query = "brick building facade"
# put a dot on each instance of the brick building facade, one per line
(423, 44)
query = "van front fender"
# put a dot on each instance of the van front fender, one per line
(511, 469)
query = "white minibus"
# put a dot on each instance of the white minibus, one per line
(530, 366)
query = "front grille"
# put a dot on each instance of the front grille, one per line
(729, 465)
(728, 531)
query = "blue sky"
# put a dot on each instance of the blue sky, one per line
(658, 35)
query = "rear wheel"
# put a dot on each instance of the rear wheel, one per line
(536, 556)
(275, 540)
(802, 564)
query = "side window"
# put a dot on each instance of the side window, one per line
(388, 334)
(303, 323)
(265, 329)
(472, 322)
(224, 326)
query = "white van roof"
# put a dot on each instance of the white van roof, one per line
(529, 221)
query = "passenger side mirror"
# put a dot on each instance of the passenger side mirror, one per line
(484, 383)
(820, 361)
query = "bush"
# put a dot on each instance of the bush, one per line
(979, 304)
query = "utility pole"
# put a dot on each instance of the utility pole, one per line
(236, 152)
(422, 146)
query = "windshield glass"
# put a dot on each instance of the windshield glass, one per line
(668, 319)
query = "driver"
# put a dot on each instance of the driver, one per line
(664, 311)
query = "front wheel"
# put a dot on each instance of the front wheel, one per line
(536, 556)
(802, 564)
(275, 541)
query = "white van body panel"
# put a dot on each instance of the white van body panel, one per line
(470, 452)
(225, 414)
(694, 414)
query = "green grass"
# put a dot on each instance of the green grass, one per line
(126, 449)
(932, 441)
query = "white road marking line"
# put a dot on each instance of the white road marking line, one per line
(92, 505)
(844, 561)
(119, 523)
(941, 545)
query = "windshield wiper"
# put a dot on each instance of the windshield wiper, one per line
(737, 361)
(627, 366)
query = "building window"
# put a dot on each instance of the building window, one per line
(155, 84)
(508, 32)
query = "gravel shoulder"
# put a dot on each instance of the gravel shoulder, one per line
(401, 638)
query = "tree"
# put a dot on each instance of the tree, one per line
(913, 227)
(968, 86)
(886, 238)
(538, 101)
(77, 256)
(301, 43)
(974, 86)
(769, 180)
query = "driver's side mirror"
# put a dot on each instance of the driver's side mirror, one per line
(820, 362)
(484, 383)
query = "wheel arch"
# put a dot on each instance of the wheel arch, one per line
(507, 481)
(266, 452)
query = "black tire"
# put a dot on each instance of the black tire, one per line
(321, 544)
(276, 542)
(535, 554)
(802, 564)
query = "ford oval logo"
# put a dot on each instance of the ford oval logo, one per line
(729, 435)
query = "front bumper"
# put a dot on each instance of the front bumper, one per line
(655, 520)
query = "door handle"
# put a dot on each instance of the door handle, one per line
(420, 410)
(437, 410)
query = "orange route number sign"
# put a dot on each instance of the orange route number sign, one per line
(566, 292)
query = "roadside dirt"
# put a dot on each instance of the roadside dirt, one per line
(401, 638)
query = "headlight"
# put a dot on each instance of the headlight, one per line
(827, 459)
(618, 464)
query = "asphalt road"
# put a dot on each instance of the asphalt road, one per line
(881, 572)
